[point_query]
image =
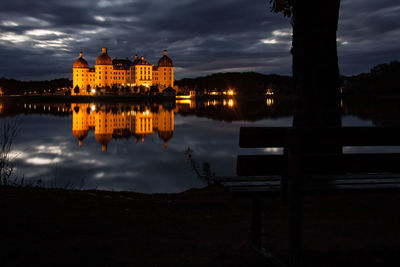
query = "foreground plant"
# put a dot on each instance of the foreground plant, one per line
(6, 160)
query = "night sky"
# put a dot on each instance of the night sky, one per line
(40, 39)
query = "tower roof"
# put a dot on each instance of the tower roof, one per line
(103, 59)
(165, 61)
(80, 62)
(140, 61)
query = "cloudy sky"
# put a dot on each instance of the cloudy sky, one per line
(40, 39)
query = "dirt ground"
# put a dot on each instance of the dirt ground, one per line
(203, 227)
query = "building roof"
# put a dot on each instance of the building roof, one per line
(123, 63)
(103, 139)
(165, 135)
(140, 61)
(103, 59)
(80, 134)
(165, 61)
(80, 62)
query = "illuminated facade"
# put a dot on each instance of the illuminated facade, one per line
(109, 73)
(120, 123)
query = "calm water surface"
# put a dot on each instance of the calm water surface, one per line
(136, 146)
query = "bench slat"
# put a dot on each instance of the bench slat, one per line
(252, 191)
(315, 182)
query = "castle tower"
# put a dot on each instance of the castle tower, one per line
(103, 69)
(165, 125)
(165, 70)
(80, 127)
(80, 72)
(103, 129)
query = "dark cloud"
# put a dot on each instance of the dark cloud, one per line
(40, 39)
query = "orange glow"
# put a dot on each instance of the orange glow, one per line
(107, 125)
(183, 101)
(270, 102)
(269, 92)
(182, 96)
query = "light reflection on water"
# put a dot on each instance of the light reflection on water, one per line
(136, 147)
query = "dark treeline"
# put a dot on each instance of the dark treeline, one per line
(242, 110)
(15, 87)
(250, 83)
(383, 79)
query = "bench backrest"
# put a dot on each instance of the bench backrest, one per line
(261, 137)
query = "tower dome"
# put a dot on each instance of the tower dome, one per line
(103, 139)
(80, 62)
(165, 135)
(103, 59)
(80, 135)
(165, 61)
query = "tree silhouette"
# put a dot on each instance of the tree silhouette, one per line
(316, 83)
(315, 62)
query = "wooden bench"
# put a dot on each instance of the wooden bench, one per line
(300, 170)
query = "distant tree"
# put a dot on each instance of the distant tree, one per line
(381, 80)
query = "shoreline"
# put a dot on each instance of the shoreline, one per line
(198, 227)
(123, 98)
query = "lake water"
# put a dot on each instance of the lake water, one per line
(137, 146)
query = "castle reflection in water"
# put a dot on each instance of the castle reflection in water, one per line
(121, 121)
(125, 120)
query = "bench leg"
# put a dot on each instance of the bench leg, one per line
(284, 190)
(256, 223)
(295, 223)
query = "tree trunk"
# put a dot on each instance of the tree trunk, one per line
(315, 63)
(317, 97)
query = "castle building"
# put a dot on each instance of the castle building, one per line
(109, 73)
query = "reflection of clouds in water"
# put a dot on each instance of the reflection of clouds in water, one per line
(354, 121)
(48, 151)
(42, 161)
